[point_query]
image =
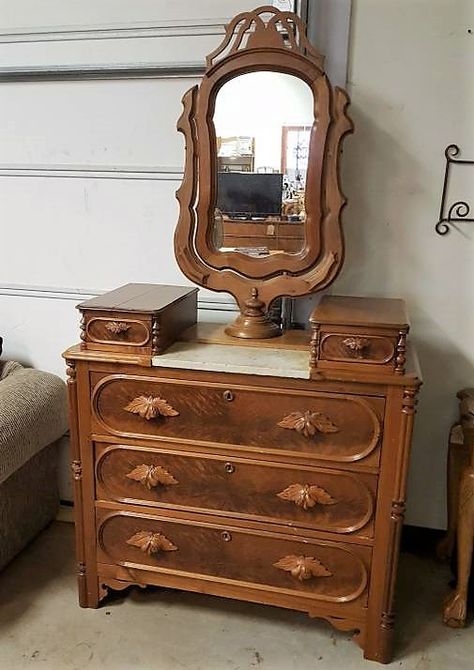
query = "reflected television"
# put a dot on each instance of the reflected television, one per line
(249, 195)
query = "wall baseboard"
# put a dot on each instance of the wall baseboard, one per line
(421, 541)
(65, 512)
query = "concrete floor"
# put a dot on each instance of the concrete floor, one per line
(42, 626)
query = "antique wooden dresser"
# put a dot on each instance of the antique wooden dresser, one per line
(277, 481)
(250, 461)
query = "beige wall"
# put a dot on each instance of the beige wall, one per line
(412, 88)
(89, 167)
(79, 213)
(411, 79)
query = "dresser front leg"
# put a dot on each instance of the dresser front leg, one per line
(379, 642)
(88, 587)
(88, 596)
(82, 585)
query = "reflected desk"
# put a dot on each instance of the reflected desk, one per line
(273, 233)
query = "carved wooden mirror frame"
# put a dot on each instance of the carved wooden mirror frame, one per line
(265, 39)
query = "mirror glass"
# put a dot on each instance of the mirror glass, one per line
(262, 122)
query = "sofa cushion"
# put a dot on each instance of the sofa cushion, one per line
(33, 413)
(8, 367)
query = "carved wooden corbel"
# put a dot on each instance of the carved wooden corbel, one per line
(71, 371)
(76, 468)
(400, 356)
(155, 338)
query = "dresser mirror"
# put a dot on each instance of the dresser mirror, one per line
(262, 123)
(260, 201)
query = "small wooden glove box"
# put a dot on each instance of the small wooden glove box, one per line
(359, 334)
(137, 318)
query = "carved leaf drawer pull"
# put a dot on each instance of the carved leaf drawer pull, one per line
(151, 476)
(356, 346)
(302, 567)
(117, 327)
(151, 543)
(308, 423)
(306, 496)
(149, 407)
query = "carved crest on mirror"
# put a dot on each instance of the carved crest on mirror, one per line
(260, 202)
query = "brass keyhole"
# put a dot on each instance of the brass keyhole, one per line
(228, 395)
(226, 536)
(230, 468)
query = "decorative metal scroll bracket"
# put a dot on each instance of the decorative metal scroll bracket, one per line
(459, 211)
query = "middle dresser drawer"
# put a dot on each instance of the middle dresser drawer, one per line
(312, 498)
(335, 427)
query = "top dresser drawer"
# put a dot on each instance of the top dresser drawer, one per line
(312, 425)
(103, 330)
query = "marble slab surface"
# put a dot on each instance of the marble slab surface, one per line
(235, 359)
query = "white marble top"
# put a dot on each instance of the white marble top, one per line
(236, 359)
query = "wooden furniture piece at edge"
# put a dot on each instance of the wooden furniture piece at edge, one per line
(460, 509)
(373, 622)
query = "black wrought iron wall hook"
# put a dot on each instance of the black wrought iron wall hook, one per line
(459, 210)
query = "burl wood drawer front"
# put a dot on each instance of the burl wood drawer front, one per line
(120, 331)
(332, 427)
(357, 348)
(339, 502)
(321, 571)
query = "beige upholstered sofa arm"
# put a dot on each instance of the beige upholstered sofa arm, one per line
(33, 413)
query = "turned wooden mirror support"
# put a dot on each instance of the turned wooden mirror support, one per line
(263, 41)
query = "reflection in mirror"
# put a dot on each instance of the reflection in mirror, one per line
(262, 122)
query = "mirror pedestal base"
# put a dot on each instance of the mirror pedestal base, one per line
(253, 328)
(253, 323)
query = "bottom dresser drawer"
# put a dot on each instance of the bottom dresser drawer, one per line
(327, 572)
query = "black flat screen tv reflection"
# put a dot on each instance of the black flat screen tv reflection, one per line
(249, 194)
